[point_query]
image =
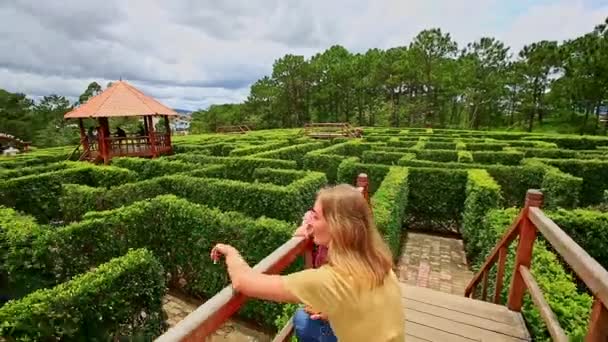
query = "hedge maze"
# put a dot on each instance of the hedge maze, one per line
(89, 251)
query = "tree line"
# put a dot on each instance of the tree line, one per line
(433, 83)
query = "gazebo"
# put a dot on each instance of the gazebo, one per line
(122, 100)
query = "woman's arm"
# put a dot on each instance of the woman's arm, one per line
(249, 282)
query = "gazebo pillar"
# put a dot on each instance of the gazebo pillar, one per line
(104, 143)
(83, 136)
(168, 133)
(152, 136)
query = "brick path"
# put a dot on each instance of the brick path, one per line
(178, 307)
(434, 262)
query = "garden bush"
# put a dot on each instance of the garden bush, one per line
(436, 197)
(482, 195)
(119, 299)
(30, 170)
(278, 176)
(350, 168)
(388, 205)
(183, 234)
(380, 157)
(465, 157)
(494, 157)
(437, 155)
(150, 168)
(38, 194)
(561, 190)
(244, 151)
(295, 153)
(593, 173)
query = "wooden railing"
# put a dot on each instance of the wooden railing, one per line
(240, 129)
(208, 317)
(530, 221)
(331, 130)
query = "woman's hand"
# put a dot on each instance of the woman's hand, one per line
(315, 315)
(222, 249)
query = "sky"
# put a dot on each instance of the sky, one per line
(190, 54)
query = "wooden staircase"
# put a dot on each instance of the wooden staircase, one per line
(431, 315)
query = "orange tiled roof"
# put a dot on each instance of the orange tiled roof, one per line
(120, 99)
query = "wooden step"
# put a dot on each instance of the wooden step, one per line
(436, 316)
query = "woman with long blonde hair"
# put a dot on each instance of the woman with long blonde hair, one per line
(356, 289)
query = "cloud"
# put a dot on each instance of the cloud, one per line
(193, 53)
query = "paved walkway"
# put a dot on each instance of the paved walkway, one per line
(178, 307)
(434, 262)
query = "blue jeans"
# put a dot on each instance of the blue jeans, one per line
(312, 330)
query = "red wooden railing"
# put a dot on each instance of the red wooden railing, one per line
(530, 221)
(208, 317)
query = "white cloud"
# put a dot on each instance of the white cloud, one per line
(193, 53)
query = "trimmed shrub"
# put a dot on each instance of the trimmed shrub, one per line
(255, 199)
(571, 307)
(244, 151)
(465, 157)
(295, 153)
(119, 299)
(38, 195)
(560, 189)
(504, 158)
(221, 149)
(593, 173)
(433, 145)
(183, 235)
(350, 168)
(150, 168)
(460, 145)
(277, 176)
(473, 146)
(30, 170)
(436, 197)
(572, 142)
(240, 168)
(380, 157)
(437, 155)
(482, 195)
(547, 153)
(388, 206)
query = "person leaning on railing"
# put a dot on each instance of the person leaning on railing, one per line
(356, 289)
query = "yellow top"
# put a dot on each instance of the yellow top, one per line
(354, 315)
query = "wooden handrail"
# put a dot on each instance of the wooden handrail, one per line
(530, 221)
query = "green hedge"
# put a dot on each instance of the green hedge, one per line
(482, 195)
(388, 205)
(547, 153)
(240, 168)
(220, 149)
(437, 155)
(350, 168)
(440, 145)
(183, 234)
(593, 173)
(380, 157)
(561, 190)
(244, 151)
(150, 168)
(465, 157)
(492, 157)
(255, 199)
(30, 170)
(295, 153)
(571, 307)
(119, 299)
(38, 195)
(16, 232)
(573, 142)
(436, 197)
(472, 146)
(278, 176)
(589, 228)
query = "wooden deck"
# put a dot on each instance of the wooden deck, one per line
(436, 316)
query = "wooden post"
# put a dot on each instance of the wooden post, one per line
(103, 142)
(168, 134)
(527, 236)
(598, 323)
(363, 183)
(152, 137)
(84, 140)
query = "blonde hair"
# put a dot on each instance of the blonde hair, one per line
(355, 247)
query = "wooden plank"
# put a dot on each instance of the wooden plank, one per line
(587, 268)
(414, 338)
(432, 333)
(478, 308)
(484, 290)
(285, 333)
(598, 323)
(456, 328)
(556, 331)
(465, 318)
(500, 274)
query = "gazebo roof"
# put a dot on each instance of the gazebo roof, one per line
(119, 100)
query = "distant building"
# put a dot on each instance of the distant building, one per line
(181, 123)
